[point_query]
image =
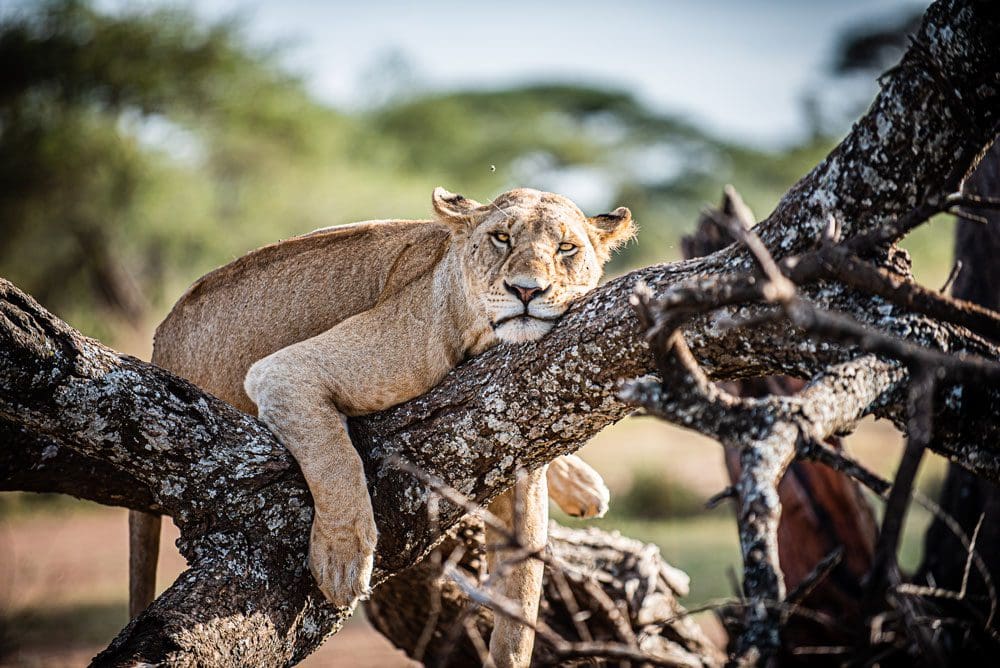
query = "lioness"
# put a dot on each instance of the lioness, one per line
(354, 319)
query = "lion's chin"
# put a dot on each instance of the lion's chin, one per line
(520, 330)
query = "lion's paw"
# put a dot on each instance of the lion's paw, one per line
(342, 557)
(577, 488)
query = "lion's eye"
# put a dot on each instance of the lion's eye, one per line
(566, 248)
(500, 238)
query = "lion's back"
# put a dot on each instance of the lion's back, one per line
(287, 292)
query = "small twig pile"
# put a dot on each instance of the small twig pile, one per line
(619, 608)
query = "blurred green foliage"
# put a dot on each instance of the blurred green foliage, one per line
(17, 504)
(142, 148)
(651, 496)
(126, 141)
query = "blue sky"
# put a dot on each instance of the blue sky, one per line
(736, 68)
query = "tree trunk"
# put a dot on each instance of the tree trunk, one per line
(967, 498)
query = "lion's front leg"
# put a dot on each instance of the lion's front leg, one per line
(298, 411)
(525, 511)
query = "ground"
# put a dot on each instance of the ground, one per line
(64, 592)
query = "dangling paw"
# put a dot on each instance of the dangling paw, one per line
(577, 488)
(341, 557)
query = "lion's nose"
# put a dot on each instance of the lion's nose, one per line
(525, 292)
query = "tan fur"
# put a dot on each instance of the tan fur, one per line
(526, 510)
(355, 319)
(576, 488)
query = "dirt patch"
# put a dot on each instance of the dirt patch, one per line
(64, 588)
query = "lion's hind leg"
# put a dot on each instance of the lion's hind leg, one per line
(577, 488)
(525, 511)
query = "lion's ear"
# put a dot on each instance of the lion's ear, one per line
(453, 208)
(611, 230)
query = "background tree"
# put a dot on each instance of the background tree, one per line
(93, 108)
(144, 148)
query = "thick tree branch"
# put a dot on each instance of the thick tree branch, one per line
(29, 463)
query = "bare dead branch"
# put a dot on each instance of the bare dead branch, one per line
(921, 407)
(936, 592)
(838, 264)
(956, 269)
(730, 492)
(818, 574)
(616, 613)
(766, 432)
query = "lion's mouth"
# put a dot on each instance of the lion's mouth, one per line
(526, 317)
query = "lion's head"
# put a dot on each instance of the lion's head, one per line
(528, 255)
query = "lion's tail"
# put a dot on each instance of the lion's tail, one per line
(144, 549)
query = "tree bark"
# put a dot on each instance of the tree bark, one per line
(965, 497)
(240, 501)
(33, 463)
